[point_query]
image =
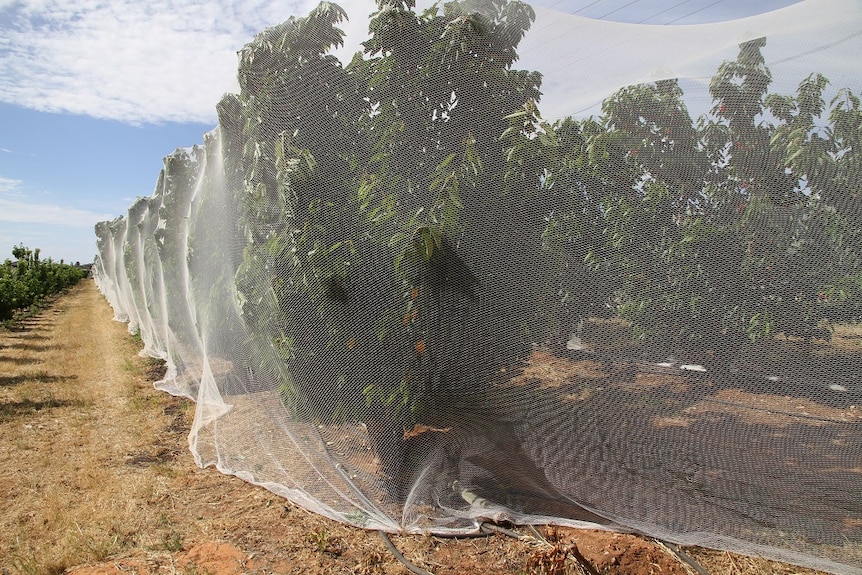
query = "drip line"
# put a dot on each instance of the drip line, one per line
(400, 556)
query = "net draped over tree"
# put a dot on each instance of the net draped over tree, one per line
(403, 297)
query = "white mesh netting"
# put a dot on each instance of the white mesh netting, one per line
(426, 288)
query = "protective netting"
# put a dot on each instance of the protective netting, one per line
(405, 298)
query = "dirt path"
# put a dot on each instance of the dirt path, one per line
(96, 477)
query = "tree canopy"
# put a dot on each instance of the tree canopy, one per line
(411, 214)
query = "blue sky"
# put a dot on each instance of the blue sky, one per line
(94, 93)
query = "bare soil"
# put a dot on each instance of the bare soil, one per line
(97, 478)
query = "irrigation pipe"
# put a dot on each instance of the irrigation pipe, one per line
(683, 557)
(398, 555)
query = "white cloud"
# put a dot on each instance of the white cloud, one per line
(50, 214)
(16, 207)
(56, 241)
(8, 185)
(166, 60)
(154, 61)
(14, 153)
(61, 232)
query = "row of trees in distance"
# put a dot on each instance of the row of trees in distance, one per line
(28, 279)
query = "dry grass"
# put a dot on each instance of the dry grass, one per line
(66, 433)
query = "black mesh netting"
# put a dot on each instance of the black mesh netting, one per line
(620, 287)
